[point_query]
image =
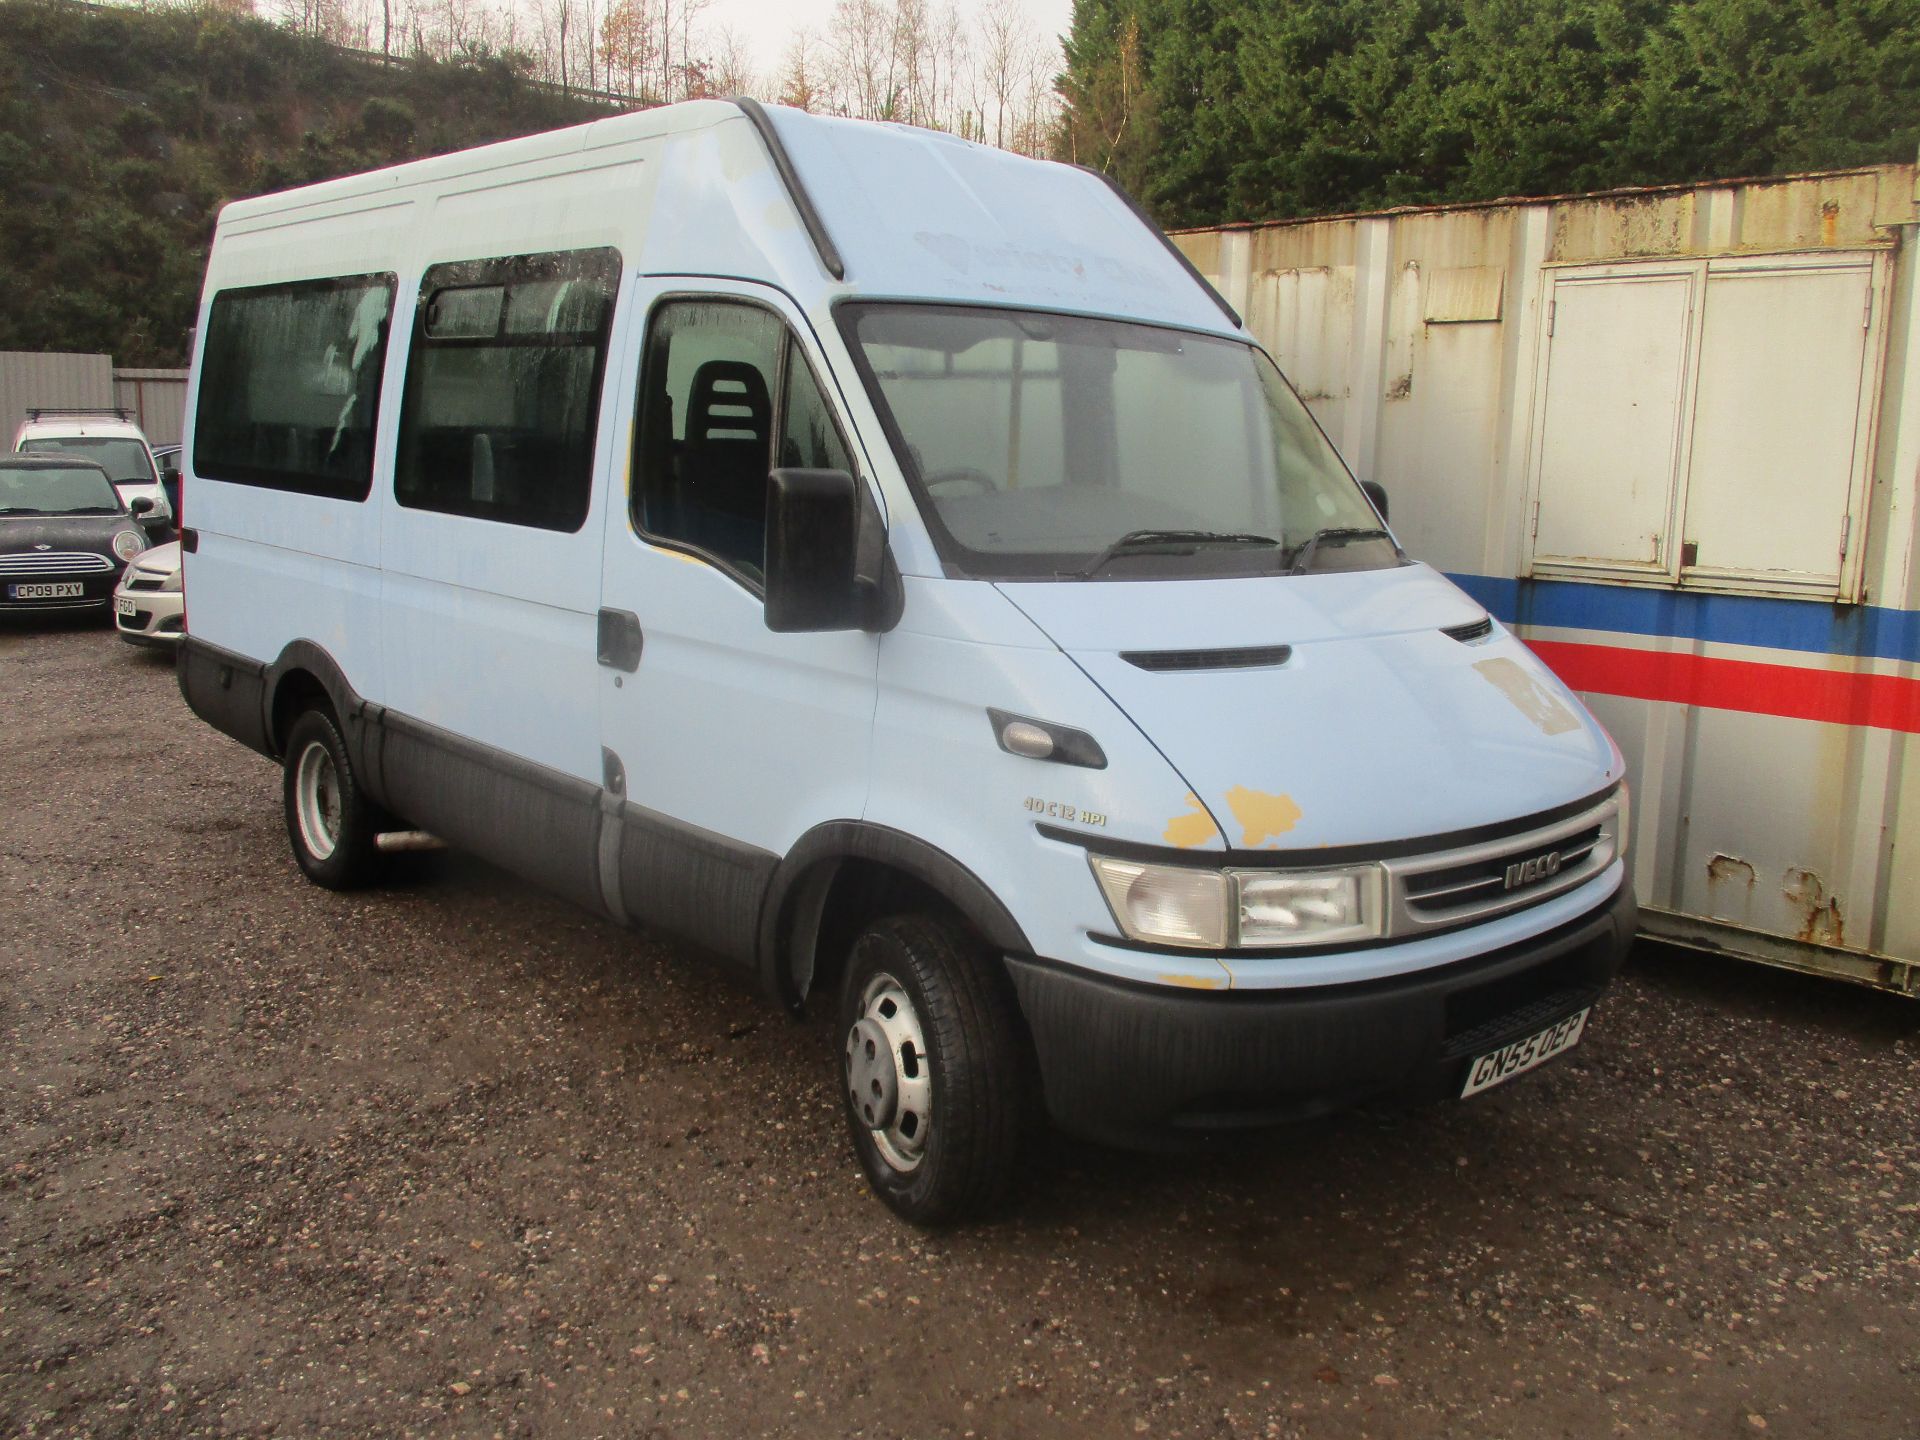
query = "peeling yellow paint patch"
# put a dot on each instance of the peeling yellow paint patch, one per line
(1197, 982)
(1529, 696)
(679, 555)
(1193, 829)
(1262, 816)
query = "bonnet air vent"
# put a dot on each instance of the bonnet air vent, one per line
(1467, 634)
(1257, 657)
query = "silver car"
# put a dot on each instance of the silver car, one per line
(148, 606)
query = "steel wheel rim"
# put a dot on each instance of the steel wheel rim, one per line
(316, 800)
(888, 1021)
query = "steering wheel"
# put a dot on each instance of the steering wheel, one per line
(963, 475)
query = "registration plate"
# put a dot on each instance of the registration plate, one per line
(123, 604)
(47, 590)
(1522, 1055)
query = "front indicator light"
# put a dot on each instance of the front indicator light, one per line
(1165, 904)
(1307, 907)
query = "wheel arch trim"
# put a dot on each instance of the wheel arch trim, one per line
(794, 907)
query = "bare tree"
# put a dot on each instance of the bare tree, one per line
(861, 38)
(1002, 64)
(629, 45)
(732, 62)
(803, 82)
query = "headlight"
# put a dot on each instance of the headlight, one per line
(1307, 907)
(1167, 903)
(172, 582)
(1215, 909)
(129, 543)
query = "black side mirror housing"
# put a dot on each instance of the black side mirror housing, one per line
(140, 505)
(826, 561)
(1377, 493)
(170, 475)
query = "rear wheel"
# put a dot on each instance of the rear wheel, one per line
(330, 821)
(934, 1070)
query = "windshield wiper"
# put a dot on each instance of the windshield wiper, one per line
(91, 510)
(1169, 542)
(1333, 535)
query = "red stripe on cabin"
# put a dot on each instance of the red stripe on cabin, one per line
(1838, 697)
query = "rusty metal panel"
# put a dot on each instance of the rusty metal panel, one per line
(29, 380)
(1464, 294)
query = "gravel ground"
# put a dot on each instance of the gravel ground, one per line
(457, 1159)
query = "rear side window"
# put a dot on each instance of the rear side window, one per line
(290, 385)
(503, 388)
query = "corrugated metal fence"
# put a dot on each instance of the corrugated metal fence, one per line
(156, 399)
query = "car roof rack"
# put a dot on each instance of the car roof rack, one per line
(118, 412)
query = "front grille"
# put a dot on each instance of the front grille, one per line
(1477, 882)
(52, 562)
(146, 580)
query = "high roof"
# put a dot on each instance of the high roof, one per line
(912, 213)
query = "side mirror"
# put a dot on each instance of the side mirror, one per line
(1377, 493)
(140, 505)
(813, 552)
(170, 475)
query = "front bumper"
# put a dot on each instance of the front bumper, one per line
(1138, 1064)
(158, 617)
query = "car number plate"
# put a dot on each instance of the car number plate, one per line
(1522, 1055)
(47, 590)
(124, 605)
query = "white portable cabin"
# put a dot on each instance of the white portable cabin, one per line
(1672, 435)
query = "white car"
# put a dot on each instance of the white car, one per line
(148, 606)
(108, 438)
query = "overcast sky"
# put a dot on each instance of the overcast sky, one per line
(767, 25)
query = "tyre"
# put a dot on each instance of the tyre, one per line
(935, 1070)
(330, 821)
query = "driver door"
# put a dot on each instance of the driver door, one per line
(727, 741)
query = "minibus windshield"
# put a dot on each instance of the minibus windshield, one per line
(1046, 445)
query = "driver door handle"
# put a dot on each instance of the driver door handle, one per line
(619, 640)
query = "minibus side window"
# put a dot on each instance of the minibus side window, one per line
(502, 397)
(713, 372)
(290, 385)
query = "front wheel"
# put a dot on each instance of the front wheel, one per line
(330, 820)
(934, 1070)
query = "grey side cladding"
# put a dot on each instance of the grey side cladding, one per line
(692, 883)
(226, 690)
(526, 818)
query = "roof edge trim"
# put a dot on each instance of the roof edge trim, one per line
(823, 244)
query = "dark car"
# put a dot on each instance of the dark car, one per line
(65, 534)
